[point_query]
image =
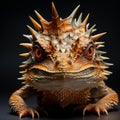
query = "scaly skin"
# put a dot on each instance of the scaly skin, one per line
(99, 102)
(64, 67)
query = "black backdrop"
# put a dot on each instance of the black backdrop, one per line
(13, 21)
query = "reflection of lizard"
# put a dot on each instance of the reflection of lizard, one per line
(64, 67)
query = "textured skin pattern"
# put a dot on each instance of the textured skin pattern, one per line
(64, 67)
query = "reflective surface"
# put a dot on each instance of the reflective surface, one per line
(6, 115)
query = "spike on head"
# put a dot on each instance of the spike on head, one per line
(72, 15)
(79, 19)
(55, 16)
(89, 31)
(54, 11)
(25, 54)
(96, 37)
(37, 26)
(44, 23)
(29, 37)
(26, 45)
(34, 33)
(83, 25)
(86, 19)
(40, 18)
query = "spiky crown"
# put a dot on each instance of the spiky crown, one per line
(59, 25)
(46, 31)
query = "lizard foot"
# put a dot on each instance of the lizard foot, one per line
(95, 108)
(29, 111)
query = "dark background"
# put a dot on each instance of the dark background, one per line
(13, 21)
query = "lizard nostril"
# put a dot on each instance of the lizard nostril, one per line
(69, 62)
(57, 62)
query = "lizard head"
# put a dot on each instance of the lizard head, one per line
(63, 53)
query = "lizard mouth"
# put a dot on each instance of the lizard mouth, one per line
(62, 80)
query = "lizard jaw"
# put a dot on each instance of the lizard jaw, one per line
(43, 80)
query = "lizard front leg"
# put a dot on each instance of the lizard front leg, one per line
(108, 101)
(18, 105)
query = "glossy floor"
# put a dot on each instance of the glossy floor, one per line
(5, 114)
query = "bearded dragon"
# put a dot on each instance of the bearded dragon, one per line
(64, 66)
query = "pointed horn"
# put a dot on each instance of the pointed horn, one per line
(79, 19)
(72, 15)
(54, 11)
(99, 43)
(23, 66)
(104, 67)
(37, 26)
(74, 23)
(96, 37)
(86, 19)
(25, 54)
(33, 32)
(28, 61)
(108, 64)
(23, 72)
(87, 26)
(29, 37)
(55, 15)
(26, 45)
(44, 23)
(92, 27)
(41, 19)
(89, 31)
(99, 46)
(106, 72)
(101, 52)
(22, 78)
(104, 58)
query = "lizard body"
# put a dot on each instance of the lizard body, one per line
(64, 67)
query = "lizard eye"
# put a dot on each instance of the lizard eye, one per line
(89, 51)
(38, 53)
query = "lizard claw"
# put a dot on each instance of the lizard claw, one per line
(29, 111)
(36, 112)
(95, 108)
